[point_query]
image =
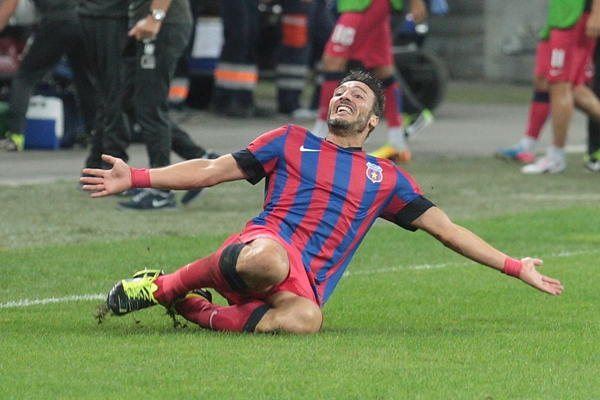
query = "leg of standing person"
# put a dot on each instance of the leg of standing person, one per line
(567, 89)
(43, 51)
(592, 160)
(396, 148)
(83, 78)
(292, 56)
(588, 102)
(180, 83)
(150, 72)
(105, 38)
(415, 115)
(236, 73)
(320, 30)
(365, 37)
(539, 111)
(181, 143)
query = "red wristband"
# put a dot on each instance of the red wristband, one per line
(512, 267)
(140, 178)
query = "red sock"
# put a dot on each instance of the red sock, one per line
(539, 109)
(202, 273)
(236, 318)
(392, 110)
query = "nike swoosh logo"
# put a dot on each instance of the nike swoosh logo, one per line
(302, 148)
(159, 203)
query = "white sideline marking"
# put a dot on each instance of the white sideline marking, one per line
(89, 297)
(27, 302)
(563, 197)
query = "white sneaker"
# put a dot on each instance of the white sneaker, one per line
(593, 165)
(547, 164)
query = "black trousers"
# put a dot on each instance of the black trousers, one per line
(241, 30)
(52, 39)
(105, 40)
(149, 67)
(293, 61)
(593, 125)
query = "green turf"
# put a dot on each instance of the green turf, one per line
(411, 320)
(483, 92)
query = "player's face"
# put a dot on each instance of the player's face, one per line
(351, 109)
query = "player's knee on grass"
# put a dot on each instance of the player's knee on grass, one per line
(263, 264)
(296, 315)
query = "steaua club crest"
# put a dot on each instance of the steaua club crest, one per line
(374, 173)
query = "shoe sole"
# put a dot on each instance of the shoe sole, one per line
(591, 168)
(508, 158)
(548, 171)
(505, 157)
(115, 305)
(124, 208)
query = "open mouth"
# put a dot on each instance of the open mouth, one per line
(343, 108)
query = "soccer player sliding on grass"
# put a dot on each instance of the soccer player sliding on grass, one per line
(321, 198)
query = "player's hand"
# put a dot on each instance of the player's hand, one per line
(146, 28)
(106, 182)
(531, 276)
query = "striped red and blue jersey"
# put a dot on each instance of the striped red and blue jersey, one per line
(323, 198)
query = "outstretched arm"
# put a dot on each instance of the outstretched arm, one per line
(191, 174)
(461, 240)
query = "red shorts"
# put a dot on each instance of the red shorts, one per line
(542, 55)
(567, 55)
(364, 36)
(297, 282)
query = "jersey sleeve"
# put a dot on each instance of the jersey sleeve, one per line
(412, 211)
(407, 202)
(250, 165)
(261, 156)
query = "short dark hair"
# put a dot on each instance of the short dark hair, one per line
(373, 83)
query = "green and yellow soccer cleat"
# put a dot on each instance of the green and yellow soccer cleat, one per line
(135, 293)
(13, 142)
(417, 122)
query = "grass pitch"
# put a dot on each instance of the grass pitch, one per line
(410, 320)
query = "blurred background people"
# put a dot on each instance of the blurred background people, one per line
(57, 33)
(157, 39)
(363, 34)
(236, 72)
(105, 26)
